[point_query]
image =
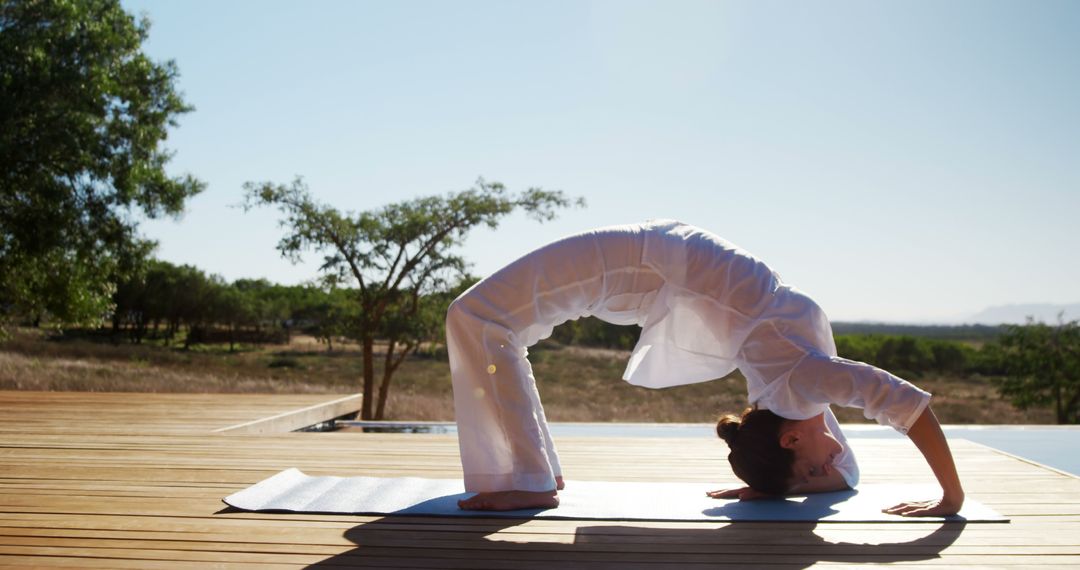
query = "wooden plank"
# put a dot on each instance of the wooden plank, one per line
(119, 413)
(296, 419)
(140, 487)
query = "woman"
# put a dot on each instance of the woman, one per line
(706, 308)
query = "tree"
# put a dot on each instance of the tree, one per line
(326, 315)
(233, 307)
(1042, 366)
(394, 257)
(83, 113)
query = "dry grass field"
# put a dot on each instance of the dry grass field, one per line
(577, 384)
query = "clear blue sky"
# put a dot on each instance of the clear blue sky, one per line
(903, 161)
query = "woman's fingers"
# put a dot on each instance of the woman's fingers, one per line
(727, 493)
(741, 493)
(904, 508)
(935, 508)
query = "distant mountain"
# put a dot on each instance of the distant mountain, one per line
(967, 332)
(1018, 314)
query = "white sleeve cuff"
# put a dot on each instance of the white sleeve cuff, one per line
(918, 411)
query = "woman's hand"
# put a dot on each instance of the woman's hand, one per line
(742, 493)
(936, 508)
(927, 435)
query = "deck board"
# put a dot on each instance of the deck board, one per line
(136, 481)
(126, 413)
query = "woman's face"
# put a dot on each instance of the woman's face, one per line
(815, 448)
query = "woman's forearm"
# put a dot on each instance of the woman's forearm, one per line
(926, 434)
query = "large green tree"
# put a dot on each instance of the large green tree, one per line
(396, 259)
(83, 115)
(1042, 365)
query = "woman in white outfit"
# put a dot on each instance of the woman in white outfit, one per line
(706, 308)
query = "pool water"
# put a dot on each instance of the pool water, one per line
(1054, 446)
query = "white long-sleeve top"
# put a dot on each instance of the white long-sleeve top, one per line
(720, 308)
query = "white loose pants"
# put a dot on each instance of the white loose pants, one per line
(502, 432)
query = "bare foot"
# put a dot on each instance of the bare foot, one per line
(510, 500)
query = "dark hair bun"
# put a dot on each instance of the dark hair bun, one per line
(728, 428)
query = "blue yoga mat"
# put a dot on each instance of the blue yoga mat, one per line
(293, 491)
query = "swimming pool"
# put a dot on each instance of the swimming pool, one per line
(1054, 446)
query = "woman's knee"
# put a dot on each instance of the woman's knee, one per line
(462, 321)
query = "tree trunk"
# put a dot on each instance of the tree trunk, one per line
(1071, 411)
(384, 389)
(384, 386)
(138, 332)
(390, 366)
(1059, 404)
(369, 377)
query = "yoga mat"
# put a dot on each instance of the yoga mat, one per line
(293, 491)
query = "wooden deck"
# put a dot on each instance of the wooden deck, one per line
(136, 481)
